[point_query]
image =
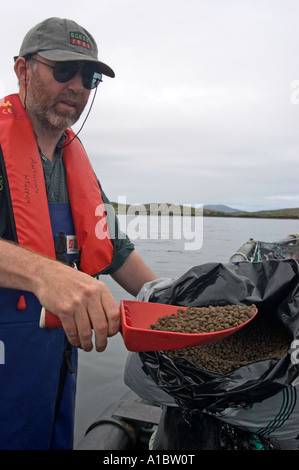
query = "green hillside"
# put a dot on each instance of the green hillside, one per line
(175, 209)
(292, 213)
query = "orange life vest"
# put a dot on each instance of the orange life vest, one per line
(28, 197)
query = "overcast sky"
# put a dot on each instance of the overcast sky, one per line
(204, 108)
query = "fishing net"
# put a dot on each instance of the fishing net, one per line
(253, 250)
(264, 251)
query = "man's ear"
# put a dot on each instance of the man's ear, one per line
(21, 70)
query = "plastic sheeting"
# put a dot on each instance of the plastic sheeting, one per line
(273, 287)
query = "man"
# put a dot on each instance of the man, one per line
(50, 200)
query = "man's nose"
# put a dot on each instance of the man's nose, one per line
(76, 83)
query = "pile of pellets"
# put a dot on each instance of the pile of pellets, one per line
(261, 339)
(205, 319)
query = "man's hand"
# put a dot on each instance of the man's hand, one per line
(82, 304)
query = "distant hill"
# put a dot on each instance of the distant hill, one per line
(291, 213)
(226, 211)
(220, 207)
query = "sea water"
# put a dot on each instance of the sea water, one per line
(100, 377)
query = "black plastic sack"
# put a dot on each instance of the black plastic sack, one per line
(273, 287)
(174, 433)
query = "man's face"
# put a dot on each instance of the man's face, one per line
(54, 105)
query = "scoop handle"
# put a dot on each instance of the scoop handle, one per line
(48, 320)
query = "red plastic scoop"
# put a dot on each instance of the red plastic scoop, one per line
(136, 318)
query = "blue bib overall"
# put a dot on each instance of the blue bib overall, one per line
(37, 374)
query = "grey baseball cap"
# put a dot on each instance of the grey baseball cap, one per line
(62, 40)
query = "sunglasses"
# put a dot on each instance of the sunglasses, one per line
(65, 71)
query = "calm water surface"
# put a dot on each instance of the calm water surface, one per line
(100, 378)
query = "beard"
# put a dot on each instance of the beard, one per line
(44, 107)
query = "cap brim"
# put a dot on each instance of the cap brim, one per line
(59, 56)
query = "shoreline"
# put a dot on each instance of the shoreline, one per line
(182, 211)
